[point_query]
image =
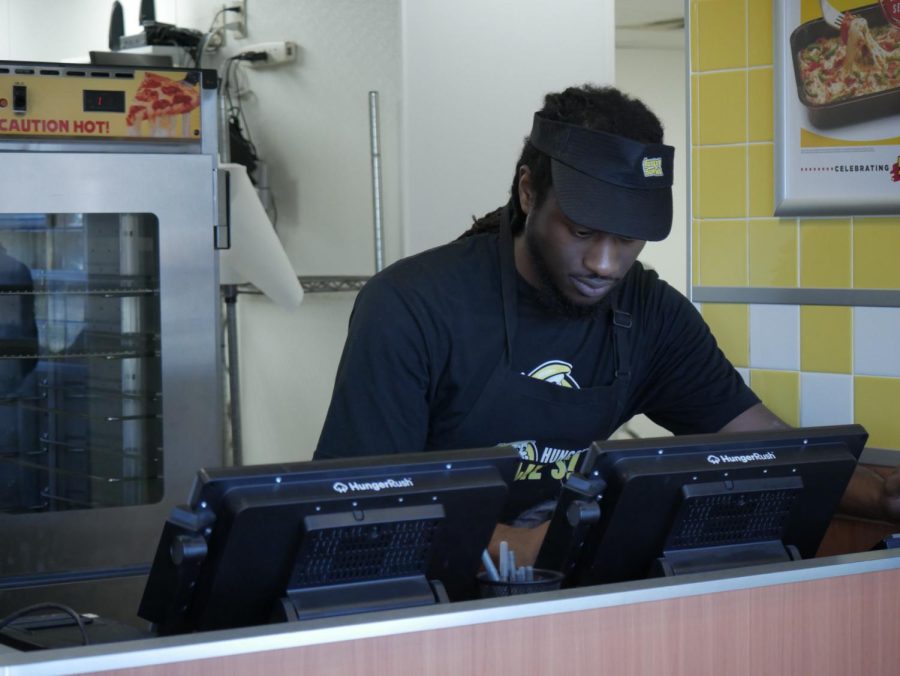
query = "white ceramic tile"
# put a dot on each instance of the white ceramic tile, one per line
(775, 337)
(745, 374)
(826, 399)
(876, 341)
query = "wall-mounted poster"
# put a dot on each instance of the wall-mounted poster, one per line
(837, 108)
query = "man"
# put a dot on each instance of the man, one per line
(539, 327)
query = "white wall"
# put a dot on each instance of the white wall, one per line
(657, 77)
(62, 30)
(474, 72)
(653, 69)
(310, 122)
(288, 362)
(4, 29)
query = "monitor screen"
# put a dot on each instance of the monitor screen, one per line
(312, 539)
(132, 59)
(642, 508)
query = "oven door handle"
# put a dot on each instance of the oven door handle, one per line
(222, 226)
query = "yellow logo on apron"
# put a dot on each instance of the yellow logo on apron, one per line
(556, 372)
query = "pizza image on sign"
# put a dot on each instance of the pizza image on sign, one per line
(162, 107)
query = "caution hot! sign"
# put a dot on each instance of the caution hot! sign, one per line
(141, 105)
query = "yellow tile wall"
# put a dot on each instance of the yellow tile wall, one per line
(723, 27)
(737, 241)
(876, 245)
(761, 125)
(773, 252)
(779, 391)
(760, 183)
(882, 422)
(730, 325)
(722, 173)
(723, 253)
(723, 99)
(759, 32)
(825, 258)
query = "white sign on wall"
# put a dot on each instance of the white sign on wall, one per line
(837, 109)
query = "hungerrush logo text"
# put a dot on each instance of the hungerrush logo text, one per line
(343, 487)
(749, 457)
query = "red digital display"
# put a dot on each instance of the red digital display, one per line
(104, 101)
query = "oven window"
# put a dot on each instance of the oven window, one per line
(80, 370)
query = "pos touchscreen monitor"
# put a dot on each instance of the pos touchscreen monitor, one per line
(642, 508)
(270, 543)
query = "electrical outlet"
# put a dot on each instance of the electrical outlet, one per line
(275, 53)
(237, 20)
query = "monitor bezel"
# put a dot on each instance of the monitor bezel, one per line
(584, 552)
(190, 595)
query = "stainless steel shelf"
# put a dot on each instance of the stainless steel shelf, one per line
(316, 285)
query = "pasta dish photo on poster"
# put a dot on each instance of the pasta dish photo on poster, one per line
(837, 107)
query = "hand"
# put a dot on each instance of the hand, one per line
(873, 496)
(525, 542)
(891, 495)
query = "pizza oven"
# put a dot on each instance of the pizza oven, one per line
(110, 362)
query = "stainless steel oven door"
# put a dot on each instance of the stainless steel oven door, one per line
(110, 358)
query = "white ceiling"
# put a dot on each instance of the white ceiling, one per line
(634, 12)
(635, 27)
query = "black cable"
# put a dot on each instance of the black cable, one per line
(240, 138)
(235, 110)
(243, 148)
(235, 62)
(9, 619)
(197, 51)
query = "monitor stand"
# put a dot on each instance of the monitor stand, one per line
(357, 597)
(708, 559)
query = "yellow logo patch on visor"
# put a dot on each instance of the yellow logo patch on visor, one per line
(652, 166)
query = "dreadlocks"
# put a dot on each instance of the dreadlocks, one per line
(598, 108)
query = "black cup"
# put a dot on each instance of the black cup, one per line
(544, 580)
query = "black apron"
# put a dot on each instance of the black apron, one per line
(549, 424)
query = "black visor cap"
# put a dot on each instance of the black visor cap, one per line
(608, 182)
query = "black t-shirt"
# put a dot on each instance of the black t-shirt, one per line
(426, 334)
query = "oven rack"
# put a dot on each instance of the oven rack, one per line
(104, 292)
(75, 474)
(123, 354)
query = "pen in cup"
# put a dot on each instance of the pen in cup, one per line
(508, 571)
(507, 579)
(489, 566)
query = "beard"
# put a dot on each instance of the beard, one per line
(549, 295)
